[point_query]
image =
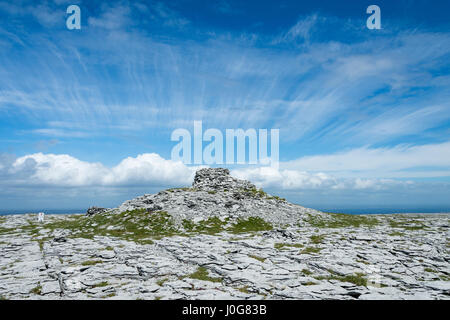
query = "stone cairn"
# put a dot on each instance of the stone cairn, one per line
(219, 179)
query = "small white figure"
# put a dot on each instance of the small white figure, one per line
(41, 217)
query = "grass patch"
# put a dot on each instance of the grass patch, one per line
(142, 226)
(161, 282)
(306, 272)
(257, 258)
(212, 225)
(31, 228)
(444, 277)
(139, 225)
(316, 239)
(408, 225)
(202, 274)
(310, 250)
(357, 279)
(396, 233)
(276, 198)
(41, 244)
(6, 230)
(249, 225)
(341, 220)
(181, 189)
(244, 289)
(37, 290)
(100, 284)
(91, 262)
(259, 193)
(281, 246)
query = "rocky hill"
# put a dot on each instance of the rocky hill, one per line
(214, 193)
(223, 238)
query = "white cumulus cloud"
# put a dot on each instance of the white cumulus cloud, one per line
(65, 170)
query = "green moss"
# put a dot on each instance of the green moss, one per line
(142, 241)
(212, 192)
(280, 246)
(306, 272)
(244, 289)
(143, 227)
(341, 220)
(202, 274)
(357, 279)
(444, 277)
(316, 239)
(30, 228)
(182, 189)
(310, 250)
(100, 284)
(112, 294)
(254, 192)
(212, 225)
(37, 290)
(396, 233)
(257, 258)
(6, 230)
(430, 270)
(41, 244)
(91, 262)
(409, 225)
(276, 198)
(249, 225)
(161, 282)
(138, 225)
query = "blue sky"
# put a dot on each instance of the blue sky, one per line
(364, 115)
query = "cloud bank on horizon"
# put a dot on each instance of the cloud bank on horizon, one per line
(86, 115)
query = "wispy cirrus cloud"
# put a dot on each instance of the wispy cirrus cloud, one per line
(357, 110)
(401, 161)
(326, 90)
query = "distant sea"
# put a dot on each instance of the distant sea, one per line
(335, 210)
(384, 210)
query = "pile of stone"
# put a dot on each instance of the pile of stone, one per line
(95, 210)
(219, 179)
(215, 192)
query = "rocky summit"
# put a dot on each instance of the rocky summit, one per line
(214, 193)
(223, 238)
